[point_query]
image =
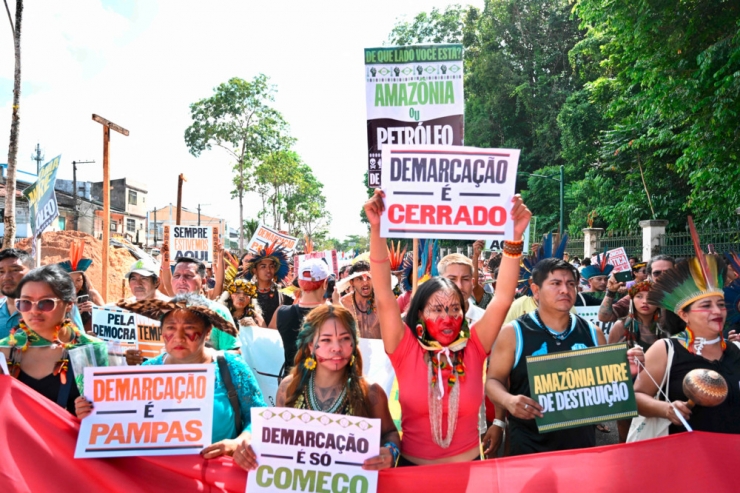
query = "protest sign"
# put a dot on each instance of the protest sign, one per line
(147, 410)
(591, 313)
(198, 242)
(448, 192)
(129, 329)
(328, 256)
(618, 258)
(42, 201)
(265, 236)
(498, 245)
(414, 96)
(262, 350)
(302, 450)
(582, 387)
(114, 324)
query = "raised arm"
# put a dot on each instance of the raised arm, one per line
(391, 325)
(489, 325)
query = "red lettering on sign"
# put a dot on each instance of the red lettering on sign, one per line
(392, 213)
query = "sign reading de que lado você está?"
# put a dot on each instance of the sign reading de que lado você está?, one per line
(448, 192)
(147, 410)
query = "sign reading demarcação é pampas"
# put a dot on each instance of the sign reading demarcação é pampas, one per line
(300, 450)
(583, 387)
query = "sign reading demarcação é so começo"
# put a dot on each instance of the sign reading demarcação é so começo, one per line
(448, 192)
(299, 450)
(583, 387)
(414, 96)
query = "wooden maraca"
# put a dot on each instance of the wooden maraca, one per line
(704, 388)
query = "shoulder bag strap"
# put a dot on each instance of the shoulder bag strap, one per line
(223, 368)
(669, 363)
(64, 389)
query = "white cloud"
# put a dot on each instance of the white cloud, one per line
(141, 66)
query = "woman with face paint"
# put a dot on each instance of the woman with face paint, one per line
(186, 321)
(327, 377)
(438, 358)
(693, 291)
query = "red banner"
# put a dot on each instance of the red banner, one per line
(39, 440)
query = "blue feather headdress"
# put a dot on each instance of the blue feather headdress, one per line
(545, 251)
(598, 268)
(275, 252)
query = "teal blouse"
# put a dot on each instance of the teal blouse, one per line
(246, 387)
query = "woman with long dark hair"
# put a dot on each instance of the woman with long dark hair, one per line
(438, 358)
(327, 377)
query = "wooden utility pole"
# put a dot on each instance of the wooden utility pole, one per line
(180, 179)
(107, 126)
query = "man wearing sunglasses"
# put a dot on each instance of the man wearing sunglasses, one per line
(14, 264)
(610, 311)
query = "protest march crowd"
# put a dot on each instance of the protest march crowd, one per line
(461, 342)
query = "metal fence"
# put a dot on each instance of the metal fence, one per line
(722, 237)
(575, 246)
(630, 240)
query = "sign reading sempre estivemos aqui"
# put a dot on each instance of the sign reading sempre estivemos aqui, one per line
(582, 387)
(448, 192)
(414, 96)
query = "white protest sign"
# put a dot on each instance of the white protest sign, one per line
(114, 324)
(300, 450)
(591, 313)
(192, 241)
(328, 256)
(262, 350)
(147, 410)
(414, 95)
(448, 192)
(129, 329)
(4, 364)
(618, 258)
(265, 236)
(498, 245)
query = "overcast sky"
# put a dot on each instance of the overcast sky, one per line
(141, 64)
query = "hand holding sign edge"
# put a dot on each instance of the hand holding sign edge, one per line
(375, 207)
(521, 215)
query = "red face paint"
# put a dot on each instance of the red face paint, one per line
(194, 336)
(167, 338)
(444, 330)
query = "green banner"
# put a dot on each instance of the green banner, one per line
(414, 53)
(42, 201)
(583, 387)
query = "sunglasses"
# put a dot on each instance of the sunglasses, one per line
(45, 305)
(656, 273)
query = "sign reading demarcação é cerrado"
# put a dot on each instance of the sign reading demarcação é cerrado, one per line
(299, 450)
(583, 387)
(414, 96)
(448, 192)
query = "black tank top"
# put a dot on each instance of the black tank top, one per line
(719, 419)
(289, 322)
(534, 339)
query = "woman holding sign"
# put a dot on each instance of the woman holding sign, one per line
(439, 359)
(38, 349)
(186, 321)
(327, 377)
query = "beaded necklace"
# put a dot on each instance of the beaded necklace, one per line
(558, 336)
(313, 402)
(22, 337)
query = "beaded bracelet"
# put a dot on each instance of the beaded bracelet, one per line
(513, 249)
(395, 452)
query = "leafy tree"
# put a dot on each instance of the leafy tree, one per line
(239, 119)
(9, 218)
(277, 174)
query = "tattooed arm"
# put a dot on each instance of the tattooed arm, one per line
(282, 393)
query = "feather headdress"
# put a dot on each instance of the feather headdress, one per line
(396, 255)
(428, 260)
(76, 263)
(275, 252)
(546, 250)
(601, 267)
(691, 280)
